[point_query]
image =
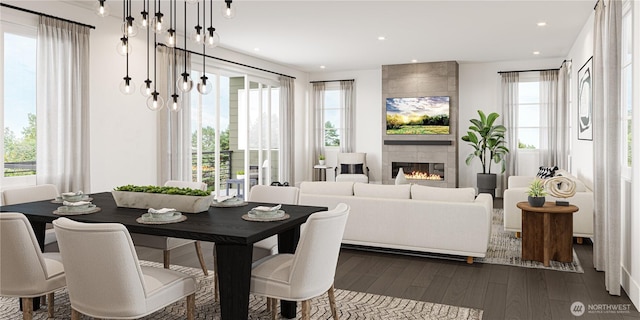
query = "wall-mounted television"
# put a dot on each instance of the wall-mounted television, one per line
(418, 116)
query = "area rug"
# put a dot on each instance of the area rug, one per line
(506, 249)
(351, 305)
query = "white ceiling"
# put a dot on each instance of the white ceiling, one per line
(343, 35)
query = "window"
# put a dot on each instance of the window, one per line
(18, 111)
(332, 111)
(529, 124)
(627, 86)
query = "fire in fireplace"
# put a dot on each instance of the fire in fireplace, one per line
(419, 170)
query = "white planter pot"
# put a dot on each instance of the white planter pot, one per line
(240, 176)
(143, 200)
(321, 162)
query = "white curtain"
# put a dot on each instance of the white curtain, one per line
(559, 136)
(550, 114)
(317, 96)
(287, 126)
(607, 142)
(174, 128)
(510, 98)
(63, 105)
(347, 140)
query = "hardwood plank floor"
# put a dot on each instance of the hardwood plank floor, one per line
(503, 292)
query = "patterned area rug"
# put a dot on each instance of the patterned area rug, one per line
(350, 304)
(506, 249)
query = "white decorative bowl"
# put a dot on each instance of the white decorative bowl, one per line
(143, 200)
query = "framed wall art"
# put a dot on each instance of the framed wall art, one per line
(585, 101)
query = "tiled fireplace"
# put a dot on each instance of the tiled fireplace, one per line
(419, 170)
(432, 165)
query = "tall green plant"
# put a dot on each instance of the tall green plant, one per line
(487, 140)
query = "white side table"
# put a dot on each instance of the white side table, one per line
(323, 171)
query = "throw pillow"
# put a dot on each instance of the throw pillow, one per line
(351, 168)
(546, 172)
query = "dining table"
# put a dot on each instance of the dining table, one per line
(233, 236)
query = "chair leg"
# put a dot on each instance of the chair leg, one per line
(332, 303)
(43, 300)
(27, 308)
(75, 315)
(50, 305)
(273, 305)
(201, 258)
(191, 306)
(268, 304)
(167, 259)
(306, 310)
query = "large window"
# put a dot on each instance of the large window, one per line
(18, 110)
(332, 110)
(529, 122)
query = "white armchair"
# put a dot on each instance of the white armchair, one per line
(105, 279)
(352, 167)
(25, 271)
(310, 271)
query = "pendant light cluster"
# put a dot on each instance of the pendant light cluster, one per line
(165, 28)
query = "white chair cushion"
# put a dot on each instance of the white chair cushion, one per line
(382, 191)
(327, 188)
(53, 261)
(344, 177)
(419, 192)
(164, 286)
(270, 276)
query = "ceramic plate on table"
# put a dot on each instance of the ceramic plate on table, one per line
(247, 217)
(233, 202)
(60, 200)
(69, 211)
(266, 214)
(148, 218)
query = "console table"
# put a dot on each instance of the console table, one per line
(547, 232)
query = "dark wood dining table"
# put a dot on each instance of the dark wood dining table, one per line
(233, 236)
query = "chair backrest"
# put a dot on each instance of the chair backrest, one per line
(351, 158)
(186, 184)
(28, 194)
(22, 266)
(103, 273)
(316, 257)
(273, 194)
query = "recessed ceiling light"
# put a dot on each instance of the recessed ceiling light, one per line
(536, 52)
(542, 24)
(414, 60)
(322, 67)
(381, 38)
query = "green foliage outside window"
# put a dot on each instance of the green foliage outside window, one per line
(331, 136)
(20, 148)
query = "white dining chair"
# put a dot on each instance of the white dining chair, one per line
(29, 194)
(310, 271)
(26, 272)
(166, 244)
(105, 279)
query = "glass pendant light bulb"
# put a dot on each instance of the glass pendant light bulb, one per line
(155, 102)
(184, 83)
(146, 89)
(144, 22)
(123, 47)
(204, 86)
(157, 23)
(228, 11)
(171, 38)
(212, 39)
(101, 8)
(127, 86)
(176, 103)
(129, 28)
(197, 36)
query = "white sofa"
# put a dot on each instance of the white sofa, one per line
(409, 217)
(583, 199)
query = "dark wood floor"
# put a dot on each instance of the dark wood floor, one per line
(503, 292)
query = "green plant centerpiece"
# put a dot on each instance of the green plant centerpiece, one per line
(489, 144)
(144, 197)
(537, 193)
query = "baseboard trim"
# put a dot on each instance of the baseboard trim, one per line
(405, 252)
(630, 286)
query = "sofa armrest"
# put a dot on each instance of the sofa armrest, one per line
(486, 200)
(519, 181)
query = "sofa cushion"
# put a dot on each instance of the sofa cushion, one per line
(382, 191)
(343, 188)
(419, 192)
(546, 172)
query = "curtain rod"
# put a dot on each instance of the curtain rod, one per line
(501, 72)
(45, 15)
(229, 61)
(320, 81)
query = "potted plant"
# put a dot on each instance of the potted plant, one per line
(240, 174)
(145, 197)
(488, 143)
(321, 159)
(536, 193)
